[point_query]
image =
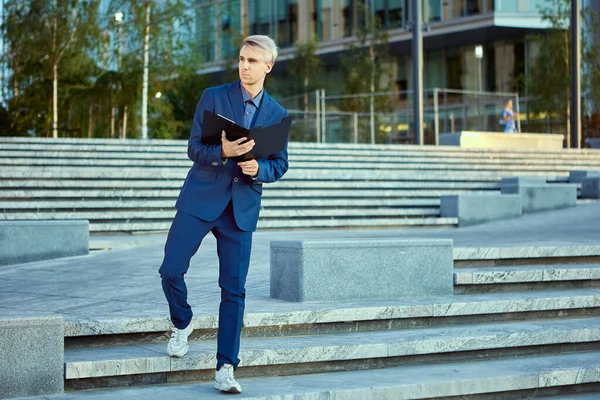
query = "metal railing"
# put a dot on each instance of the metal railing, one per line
(347, 118)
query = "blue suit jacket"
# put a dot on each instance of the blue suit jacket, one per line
(210, 184)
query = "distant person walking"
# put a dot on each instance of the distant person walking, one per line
(507, 117)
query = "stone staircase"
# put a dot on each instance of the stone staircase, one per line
(131, 186)
(486, 342)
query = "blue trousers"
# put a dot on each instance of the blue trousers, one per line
(233, 249)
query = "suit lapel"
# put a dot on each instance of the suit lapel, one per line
(263, 111)
(237, 104)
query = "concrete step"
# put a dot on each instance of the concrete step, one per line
(282, 184)
(354, 348)
(49, 156)
(471, 257)
(181, 146)
(299, 161)
(293, 174)
(512, 278)
(168, 204)
(267, 202)
(428, 165)
(268, 193)
(324, 212)
(547, 376)
(274, 223)
(271, 318)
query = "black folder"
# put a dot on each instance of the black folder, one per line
(268, 140)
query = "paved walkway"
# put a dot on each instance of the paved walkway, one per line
(124, 282)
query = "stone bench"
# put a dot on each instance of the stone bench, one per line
(32, 349)
(537, 195)
(322, 270)
(472, 209)
(590, 188)
(496, 140)
(590, 183)
(25, 241)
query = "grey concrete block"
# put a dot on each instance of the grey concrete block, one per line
(32, 348)
(579, 175)
(25, 241)
(544, 197)
(594, 143)
(471, 209)
(361, 269)
(590, 188)
(537, 195)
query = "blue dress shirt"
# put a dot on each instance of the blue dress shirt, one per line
(250, 106)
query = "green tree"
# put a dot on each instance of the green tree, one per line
(305, 66)
(171, 47)
(549, 83)
(363, 69)
(48, 53)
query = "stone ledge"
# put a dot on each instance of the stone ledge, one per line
(326, 312)
(25, 241)
(445, 380)
(150, 358)
(502, 253)
(502, 275)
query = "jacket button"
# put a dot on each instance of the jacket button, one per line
(235, 179)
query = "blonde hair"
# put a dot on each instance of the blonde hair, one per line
(263, 44)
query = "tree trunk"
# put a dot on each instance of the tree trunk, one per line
(91, 121)
(568, 124)
(371, 98)
(124, 131)
(69, 119)
(145, 79)
(568, 69)
(54, 75)
(306, 115)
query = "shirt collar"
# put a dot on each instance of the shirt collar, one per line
(246, 97)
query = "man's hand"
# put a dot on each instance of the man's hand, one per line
(249, 168)
(235, 148)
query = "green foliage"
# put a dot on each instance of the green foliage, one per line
(29, 32)
(92, 83)
(363, 67)
(305, 66)
(550, 78)
(553, 62)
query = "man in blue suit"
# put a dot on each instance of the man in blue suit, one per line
(223, 197)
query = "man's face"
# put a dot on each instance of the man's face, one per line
(252, 66)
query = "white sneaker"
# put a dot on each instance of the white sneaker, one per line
(178, 344)
(225, 381)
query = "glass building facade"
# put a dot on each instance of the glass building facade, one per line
(331, 21)
(453, 29)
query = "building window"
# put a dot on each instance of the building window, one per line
(288, 22)
(432, 10)
(205, 30)
(230, 27)
(260, 17)
(394, 13)
(454, 69)
(348, 18)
